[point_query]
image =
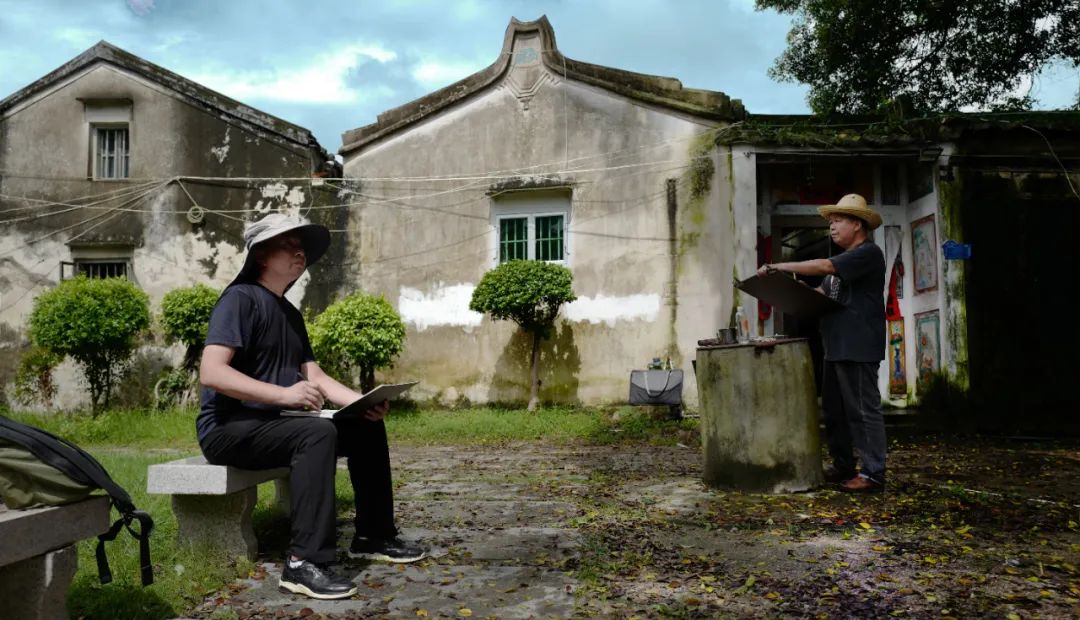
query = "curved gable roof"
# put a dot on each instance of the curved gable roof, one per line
(192, 92)
(664, 92)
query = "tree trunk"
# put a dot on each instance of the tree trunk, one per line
(534, 373)
(367, 379)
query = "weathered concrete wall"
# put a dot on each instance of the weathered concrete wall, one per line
(759, 417)
(426, 242)
(45, 155)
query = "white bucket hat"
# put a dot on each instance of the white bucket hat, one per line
(315, 238)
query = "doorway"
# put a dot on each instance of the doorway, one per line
(799, 239)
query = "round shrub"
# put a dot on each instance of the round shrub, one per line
(96, 322)
(185, 313)
(361, 332)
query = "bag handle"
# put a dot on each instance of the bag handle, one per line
(662, 390)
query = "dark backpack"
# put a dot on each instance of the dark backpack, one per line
(85, 470)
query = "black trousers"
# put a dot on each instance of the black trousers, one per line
(853, 419)
(309, 448)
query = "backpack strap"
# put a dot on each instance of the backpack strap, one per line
(146, 527)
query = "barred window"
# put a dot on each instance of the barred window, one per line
(549, 238)
(531, 225)
(513, 238)
(112, 148)
(102, 269)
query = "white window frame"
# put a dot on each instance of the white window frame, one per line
(530, 205)
(95, 158)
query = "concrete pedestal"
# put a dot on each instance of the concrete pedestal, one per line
(37, 587)
(759, 417)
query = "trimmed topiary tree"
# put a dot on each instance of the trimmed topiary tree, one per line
(529, 293)
(360, 332)
(96, 322)
(185, 317)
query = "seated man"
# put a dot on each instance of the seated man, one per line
(258, 361)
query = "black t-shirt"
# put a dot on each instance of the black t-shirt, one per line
(856, 333)
(270, 342)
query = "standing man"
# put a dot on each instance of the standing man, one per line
(258, 361)
(854, 342)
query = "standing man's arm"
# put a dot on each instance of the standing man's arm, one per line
(338, 393)
(812, 267)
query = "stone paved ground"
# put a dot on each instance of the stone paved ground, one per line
(538, 531)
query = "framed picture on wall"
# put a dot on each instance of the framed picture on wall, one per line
(927, 344)
(924, 254)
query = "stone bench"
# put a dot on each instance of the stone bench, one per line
(213, 503)
(38, 557)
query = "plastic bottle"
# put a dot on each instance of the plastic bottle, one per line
(742, 325)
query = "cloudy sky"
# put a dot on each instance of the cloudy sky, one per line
(333, 65)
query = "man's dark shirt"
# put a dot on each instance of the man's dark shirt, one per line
(856, 333)
(270, 342)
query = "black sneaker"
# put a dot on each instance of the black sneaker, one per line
(832, 474)
(393, 550)
(315, 581)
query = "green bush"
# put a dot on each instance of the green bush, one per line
(529, 293)
(185, 313)
(185, 317)
(360, 332)
(96, 322)
(33, 379)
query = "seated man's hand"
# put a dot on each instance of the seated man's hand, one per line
(301, 395)
(378, 412)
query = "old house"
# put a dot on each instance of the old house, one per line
(658, 196)
(114, 166)
(610, 173)
(976, 208)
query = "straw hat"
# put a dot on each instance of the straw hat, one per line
(855, 206)
(315, 237)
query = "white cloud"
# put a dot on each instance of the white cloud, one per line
(78, 38)
(324, 80)
(435, 74)
(141, 7)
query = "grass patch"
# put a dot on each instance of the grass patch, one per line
(133, 428)
(175, 428)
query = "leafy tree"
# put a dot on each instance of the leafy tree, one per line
(859, 56)
(95, 321)
(185, 316)
(529, 293)
(34, 379)
(360, 332)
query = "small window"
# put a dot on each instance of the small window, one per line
(531, 225)
(102, 270)
(94, 269)
(513, 238)
(111, 148)
(549, 238)
(532, 237)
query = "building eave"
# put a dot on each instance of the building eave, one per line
(664, 92)
(190, 91)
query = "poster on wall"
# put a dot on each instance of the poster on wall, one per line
(924, 254)
(927, 344)
(897, 359)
